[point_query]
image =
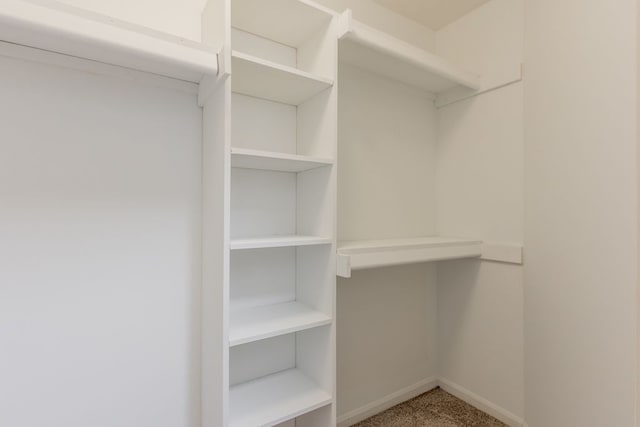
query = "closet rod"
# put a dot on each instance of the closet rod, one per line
(70, 31)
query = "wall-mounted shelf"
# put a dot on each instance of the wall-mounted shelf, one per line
(363, 254)
(357, 255)
(268, 80)
(289, 22)
(274, 399)
(280, 162)
(77, 33)
(278, 242)
(388, 56)
(272, 320)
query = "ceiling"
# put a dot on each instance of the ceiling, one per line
(434, 14)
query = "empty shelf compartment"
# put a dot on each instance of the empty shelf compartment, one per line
(276, 398)
(258, 323)
(268, 80)
(288, 22)
(383, 54)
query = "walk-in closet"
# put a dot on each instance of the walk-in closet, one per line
(319, 213)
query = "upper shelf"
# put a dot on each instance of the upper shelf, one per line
(265, 79)
(356, 255)
(362, 254)
(78, 33)
(373, 50)
(289, 22)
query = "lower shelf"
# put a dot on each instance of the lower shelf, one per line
(273, 320)
(275, 399)
(357, 255)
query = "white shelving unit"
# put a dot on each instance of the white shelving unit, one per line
(282, 162)
(287, 22)
(278, 242)
(376, 51)
(265, 79)
(386, 56)
(273, 320)
(275, 398)
(275, 230)
(79, 34)
(358, 255)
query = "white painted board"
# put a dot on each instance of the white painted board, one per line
(281, 162)
(268, 321)
(383, 54)
(289, 22)
(275, 399)
(278, 242)
(257, 77)
(356, 255)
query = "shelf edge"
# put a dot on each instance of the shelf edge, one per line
(285, 241)
(312, 162)
(283, 68)
(509, 253)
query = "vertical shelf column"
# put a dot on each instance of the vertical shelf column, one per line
(279, 311)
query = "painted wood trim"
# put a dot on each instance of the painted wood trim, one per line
(481, 403)
(355, 416)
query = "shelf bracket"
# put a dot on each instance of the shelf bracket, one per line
(209, 83)
(344, 23)
(508, 253)
(343, 266)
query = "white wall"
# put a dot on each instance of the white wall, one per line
(178, 17)
(387, 154)
(386, 334)
(99, 251)
(581, 222)
(480, 194)
(386, 317)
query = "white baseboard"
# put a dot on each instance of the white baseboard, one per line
(481, 403)
(386, 402)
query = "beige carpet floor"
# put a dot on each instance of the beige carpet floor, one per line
(435, 408)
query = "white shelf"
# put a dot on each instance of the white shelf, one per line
(74, 32)
(278, 242)
(268, 80)
(269, 321)
(388, 56)
(274, 399)
(282, 162)
(289, 22)
(357, 255)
